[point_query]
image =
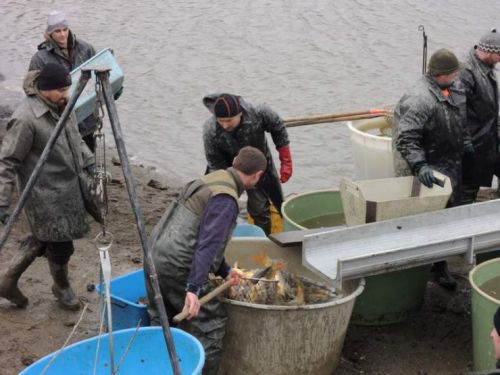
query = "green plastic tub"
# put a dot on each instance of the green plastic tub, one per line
(485, 281)
(387, 299)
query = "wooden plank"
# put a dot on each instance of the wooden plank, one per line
(295, 237)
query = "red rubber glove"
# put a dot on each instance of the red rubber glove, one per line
(286, 163)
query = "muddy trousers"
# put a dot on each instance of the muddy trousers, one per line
(58, 254)
(468, 193)
(209, 326)
(259, 208)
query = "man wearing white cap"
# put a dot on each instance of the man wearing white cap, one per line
(480, 84)
(62, 47)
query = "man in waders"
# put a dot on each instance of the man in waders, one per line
(189, 242)
(430, 133)
(62, 47)
(478, 80)
(55, 208)
(235, 124)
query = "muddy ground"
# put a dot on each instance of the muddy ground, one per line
(436, 341)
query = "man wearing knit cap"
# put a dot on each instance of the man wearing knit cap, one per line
(430, 133)
(479, 82)
(62, 47)
(236, 123)
(189, 242)
(55, 208)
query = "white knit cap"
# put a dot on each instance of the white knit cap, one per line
(56, 20)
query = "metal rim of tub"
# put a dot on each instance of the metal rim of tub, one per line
(359, 289)
(283, 211)
(364, 134)
(476, 287)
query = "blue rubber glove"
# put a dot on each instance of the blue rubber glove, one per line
(426, 176)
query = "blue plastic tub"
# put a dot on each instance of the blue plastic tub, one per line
(147, 355)
(125, 292)
(248, 230)
(84, 107)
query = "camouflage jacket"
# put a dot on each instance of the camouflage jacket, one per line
(479, 83)
(430, 128)
(50, 52)
(221, 146)
(55, 208)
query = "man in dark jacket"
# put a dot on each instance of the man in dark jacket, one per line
(479, 82)
(430, 132)
(55, 208)
(235, 124)
(189, 242)
(62, 47)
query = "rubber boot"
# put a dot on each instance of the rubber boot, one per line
(28, 251)
(442, 276)
(61, 288)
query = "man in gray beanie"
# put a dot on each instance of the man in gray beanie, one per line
(478, 80)
(62, 47)
(55, 208)
(430, 134)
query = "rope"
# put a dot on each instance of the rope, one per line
(129, 345)
(67, 340)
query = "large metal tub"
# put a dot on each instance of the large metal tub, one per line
(263, 339)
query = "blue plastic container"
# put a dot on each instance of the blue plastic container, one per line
(85, 104)
(125, 292)
(147, 355)
(248, 230)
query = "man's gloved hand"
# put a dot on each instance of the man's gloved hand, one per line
(117, 94)
(426, 176)
(468, 149)
(191, 305)
(286, 163)
(4, 215)
(91, 169)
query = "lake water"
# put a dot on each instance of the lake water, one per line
(300, 57)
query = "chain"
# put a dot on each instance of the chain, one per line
(101, 176)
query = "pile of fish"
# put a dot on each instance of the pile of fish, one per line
(275, 285)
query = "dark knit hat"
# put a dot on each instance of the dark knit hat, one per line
(496, 321)
(250, 160)
(227, 105)
(442, 62)
(53, 76)
(490, 42)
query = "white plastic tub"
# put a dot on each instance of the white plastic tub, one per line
(371, 150)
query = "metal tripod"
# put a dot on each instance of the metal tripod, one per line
(102, 75)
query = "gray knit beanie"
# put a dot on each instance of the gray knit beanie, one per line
(490, 42)
(56, 20)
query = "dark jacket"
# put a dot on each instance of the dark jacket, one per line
(55, 209)
(79, 52)
(479, 83)
(430, 128)
(221, 146)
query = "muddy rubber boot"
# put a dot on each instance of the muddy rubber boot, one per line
(61, 288)
(26, 255)
(442, 276)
